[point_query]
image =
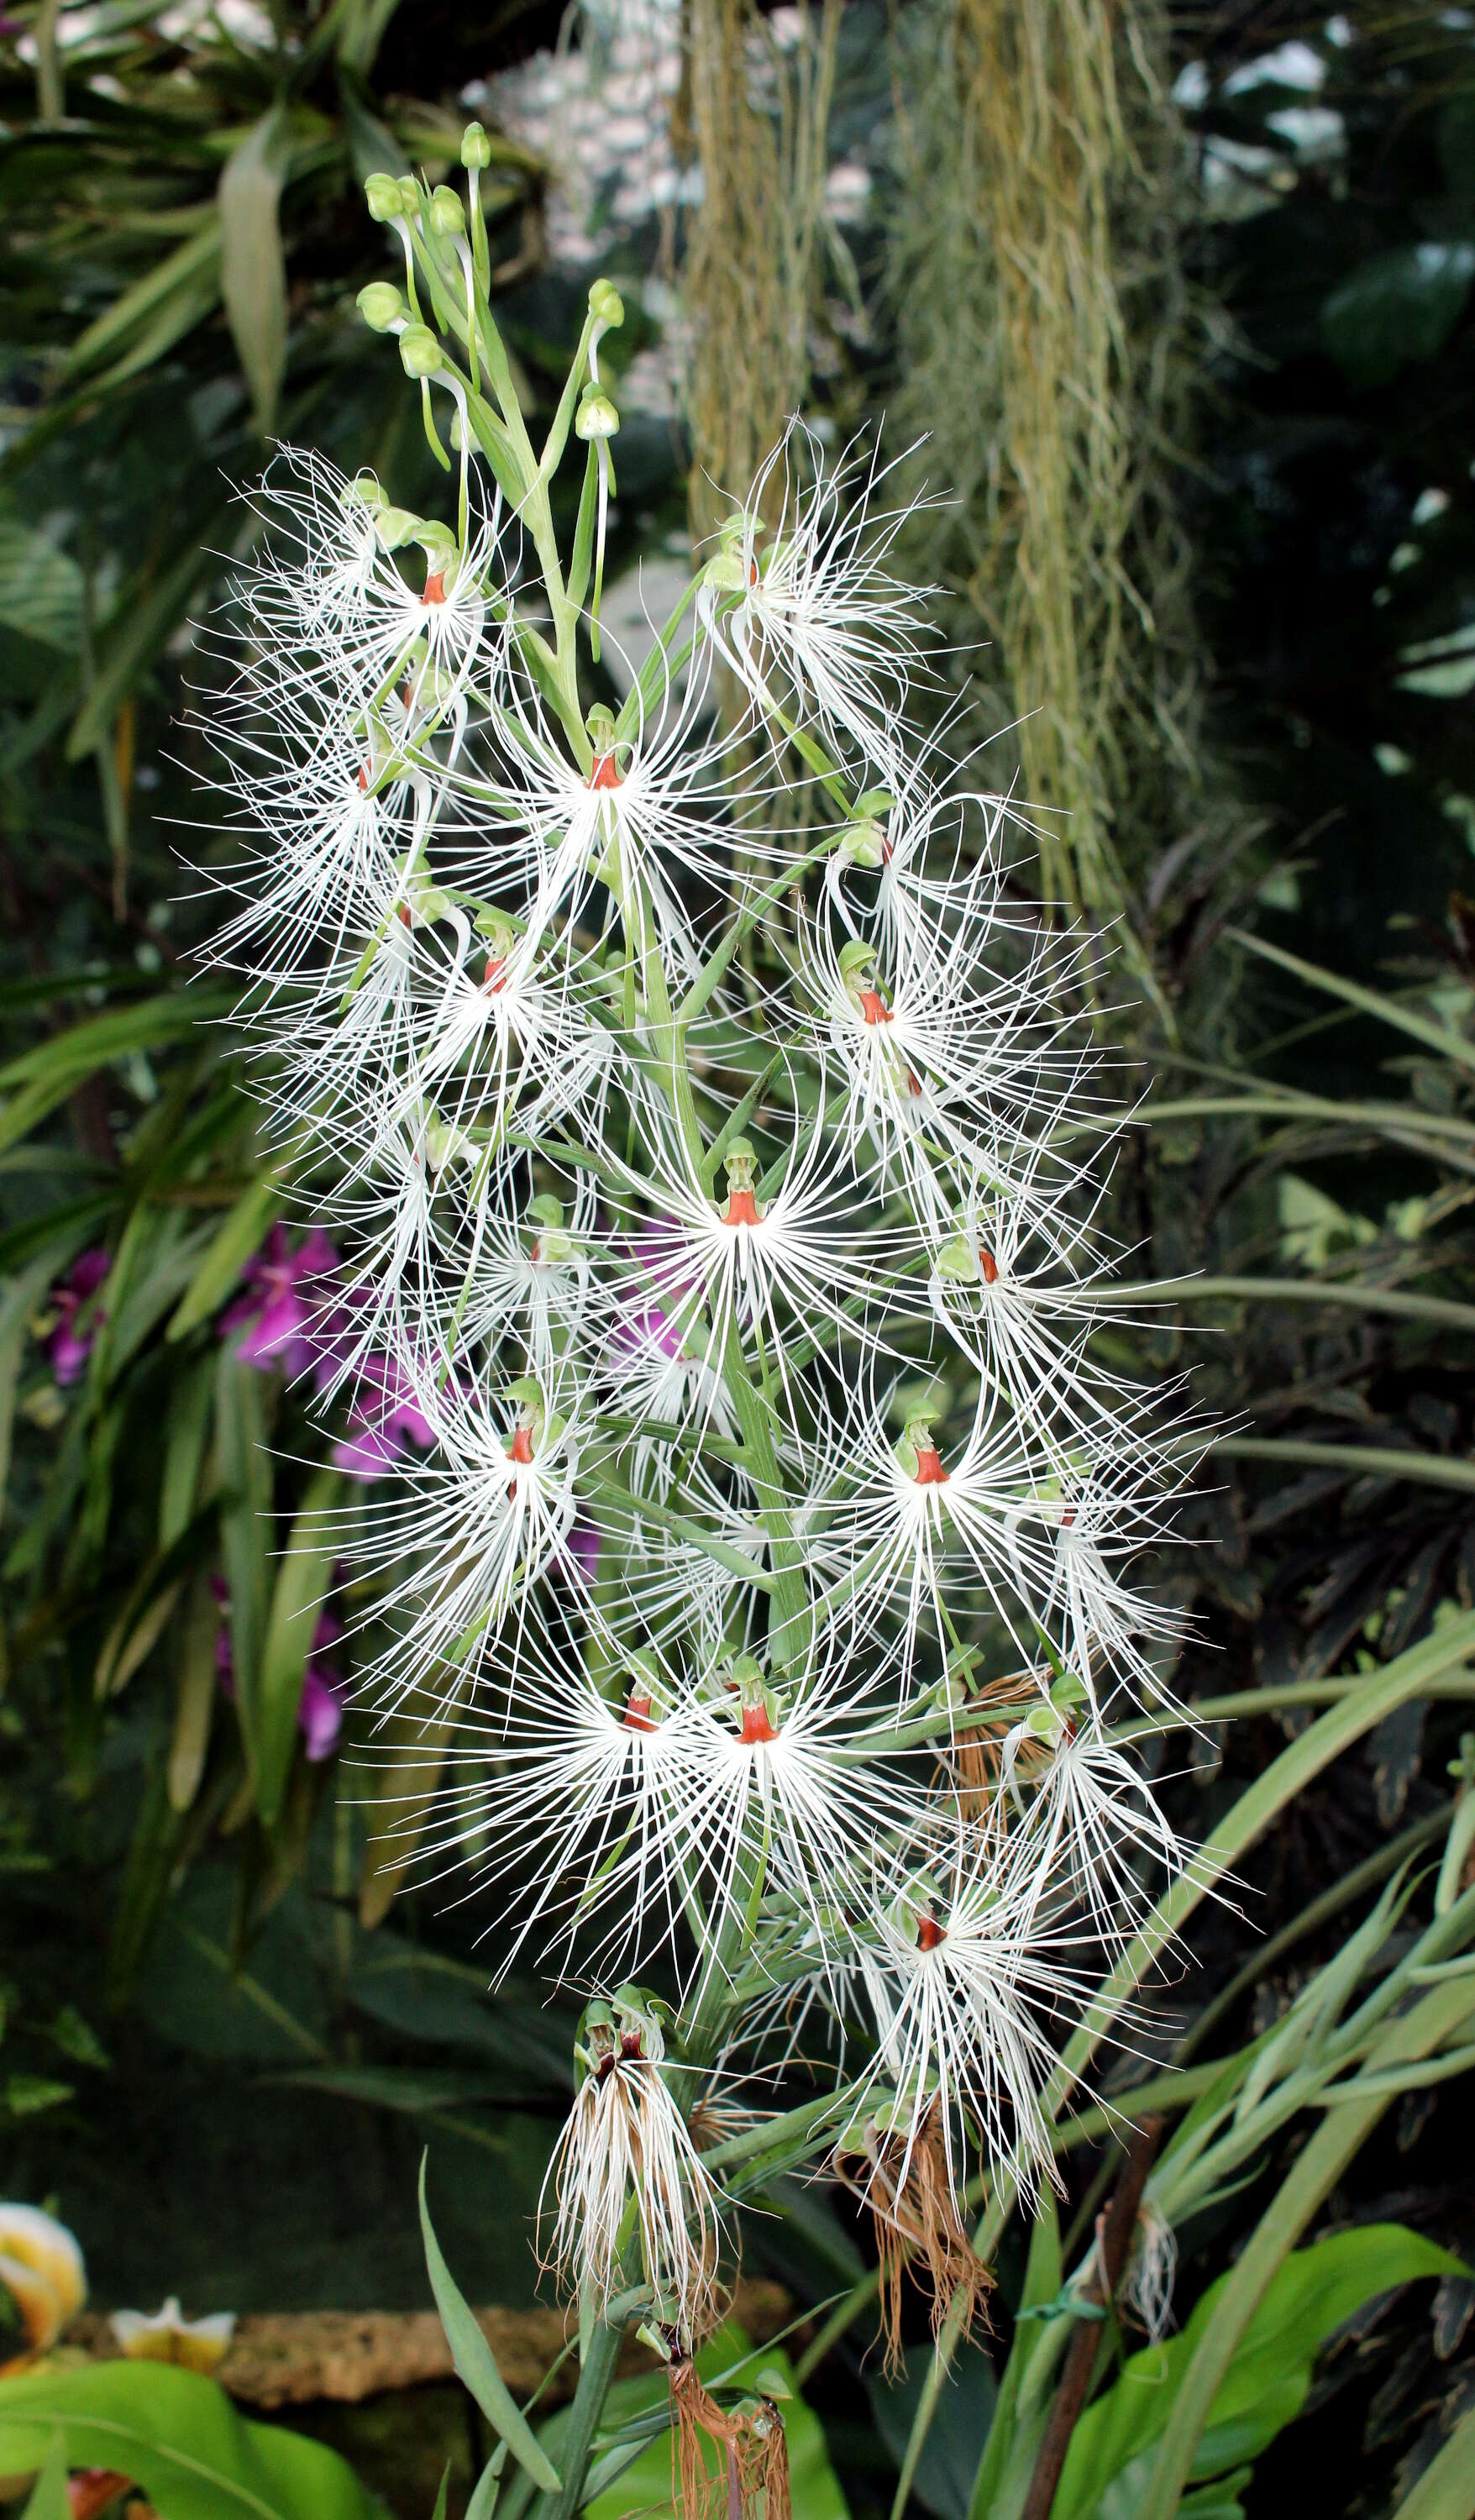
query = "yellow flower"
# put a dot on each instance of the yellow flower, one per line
(196, 2344)
(41, 2269)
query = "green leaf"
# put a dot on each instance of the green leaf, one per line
(172, 286)
(949, 2466)
(26, 2094)
(178, 2437)
(475, 2362)
(488, 2485)
(241, 1233)
(18, 1302)
(141, 622)
(40, 588)
(303, 1584)
(416, 2089)
(643, 2485)
(1446, 2489)
(49, 2499)
(440, 2512)
(1396, 306)
(246, 1476)
(1266, 2383)
(252, 262)
(68, 1057)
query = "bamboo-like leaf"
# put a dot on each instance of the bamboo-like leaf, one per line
(475, 2362)
(302, 1582)
(488, 2485)
(40, 588)
(1370, 1002)
(1363, 1707)
(1413, 2035)
(252, 262)
(241, 1234)
(170, 283)
(196, 1684)
(1265, 2382)
(100, 1039)
(135, 630)
(245, 1478)
(1446, 2489)
(18, 1302)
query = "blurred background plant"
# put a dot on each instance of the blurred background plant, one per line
(1182, 297)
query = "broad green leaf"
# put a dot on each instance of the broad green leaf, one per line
(303, 1580)
(178, 2437)
(1398, 306)
(475, 2362)
(252, 262)
(40, 587)
(1266, 2384)
(241, 1233)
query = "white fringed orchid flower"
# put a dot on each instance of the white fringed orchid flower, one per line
(714, 1146)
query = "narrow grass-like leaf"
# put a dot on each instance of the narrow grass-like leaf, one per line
(475, 2362)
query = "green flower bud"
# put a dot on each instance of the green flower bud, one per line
(382, 193)
(475, 148)
(595, 417)
(444, 1142)
(420, 351)
(439, 545)
(447, 217)
(364, 491)
(380, 306)
(606, 304)
(394, 526)
(726, 571)
(958, 1260)
(409, 196)
(637, 2020)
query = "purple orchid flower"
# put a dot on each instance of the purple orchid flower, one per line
(585, 1541)
(384, 1417)
(282, 1312)
(65, 1347)
(324, 1691)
